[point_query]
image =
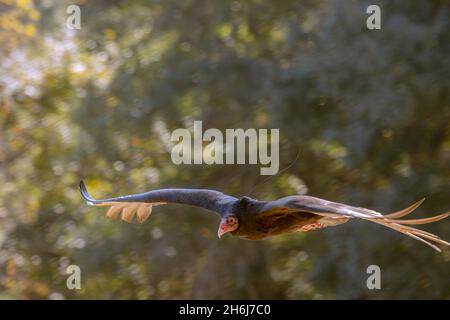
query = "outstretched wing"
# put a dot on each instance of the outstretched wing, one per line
(140, 205)
(336, 213)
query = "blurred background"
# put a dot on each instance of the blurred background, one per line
(368, 110)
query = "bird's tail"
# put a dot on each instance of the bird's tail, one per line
(392, 221)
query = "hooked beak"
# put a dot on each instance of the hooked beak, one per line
(223, 228)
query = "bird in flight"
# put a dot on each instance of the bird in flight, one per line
(252, 219)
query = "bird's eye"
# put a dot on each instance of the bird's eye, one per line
(231, 220)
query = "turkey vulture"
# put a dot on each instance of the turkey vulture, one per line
(253, 219)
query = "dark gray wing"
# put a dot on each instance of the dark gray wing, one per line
(317, 206)
(140, 205)
(334, 211)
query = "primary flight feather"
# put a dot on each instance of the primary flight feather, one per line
(253, 219)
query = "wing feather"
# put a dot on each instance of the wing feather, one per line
(129, 211)
(114, 211)
(405, 211)
(143, 213)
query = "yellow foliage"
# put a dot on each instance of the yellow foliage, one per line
(110, 34)
(17, 23)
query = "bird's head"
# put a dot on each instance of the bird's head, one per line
(239, 210)
(228, 223)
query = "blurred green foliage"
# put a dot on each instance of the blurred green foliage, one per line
(368, 110)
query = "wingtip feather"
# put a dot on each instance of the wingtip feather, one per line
(85, 194)
(406, 211)
(143, 213)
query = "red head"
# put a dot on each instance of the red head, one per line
(228, 223)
